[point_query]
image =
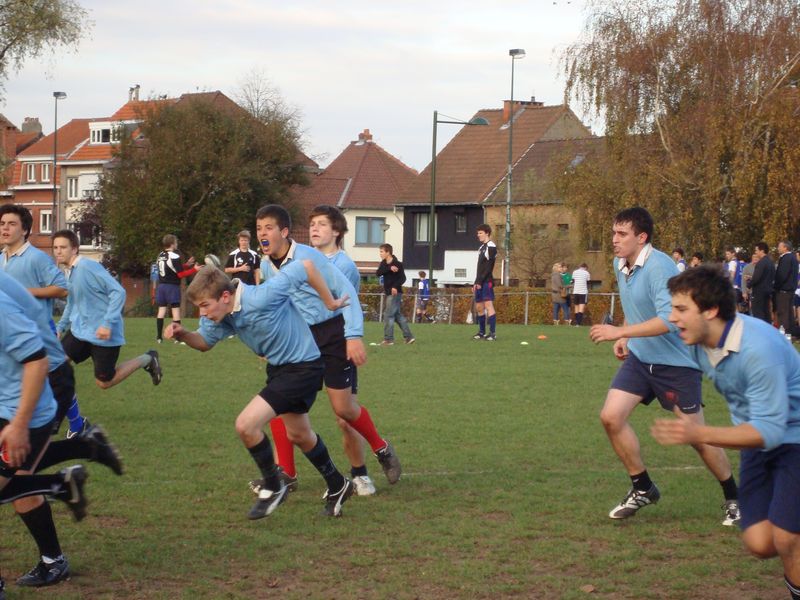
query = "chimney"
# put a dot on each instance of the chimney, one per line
(365, 136)
(31, 125)
(507, 111)
(133, 93)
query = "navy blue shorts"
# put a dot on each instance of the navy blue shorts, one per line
(485, 293)
(292, 388)
(796, 301)
(769, 487)
(168, 294)
(104, 358)
(37, 438)
(340, 373)
(672, 386)
(62, 382)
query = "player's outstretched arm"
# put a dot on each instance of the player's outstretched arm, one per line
(316, 281)
(684, 430)
(190, 338)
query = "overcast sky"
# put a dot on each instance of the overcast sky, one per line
(347, 65)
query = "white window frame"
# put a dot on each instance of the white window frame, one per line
(45, 221)
(72, 188)
(45, 172)
(30, 172)
(422, 227)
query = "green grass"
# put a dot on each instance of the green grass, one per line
(508, 478)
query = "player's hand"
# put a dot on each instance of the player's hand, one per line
(173, 331)
(394, 291)
(103, 333)
(681, 430)
(394, 269)
(476, 287)
(245, 268)
(338, 303)
(621, 348)
(604, 333)
(356, 351)
(191, 261)
(15, 443)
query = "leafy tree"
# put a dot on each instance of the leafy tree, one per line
(200, 169)
(28, 28)
(700, 103)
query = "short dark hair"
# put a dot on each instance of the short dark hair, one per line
(730, 249)
(763, 247)
(698, 255)
(485, 228)
(639, 218)
(679, 251)
(25, 216)
(168, 240)
(386, 248)
(276, 212)
(69, 235)
(335, 216)
(709, 287)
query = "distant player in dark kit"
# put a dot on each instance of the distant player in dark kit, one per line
(168, 290)
(757, 371)
(423, 297)
(91, 326)
(484, 285)
(244, 263)
(267, 322)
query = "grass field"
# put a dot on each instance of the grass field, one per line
(508, 478)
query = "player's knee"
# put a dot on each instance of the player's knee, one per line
(25, 505)
(611, 420)
(246, 430)
(303, 438)
(760, 546)
(787, 543)
(103, 384)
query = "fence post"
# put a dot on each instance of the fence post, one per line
(450, 313)
(380, 308)
(612, 306)
(526, 306)
(414, 308)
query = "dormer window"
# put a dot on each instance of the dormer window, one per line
(101, 136)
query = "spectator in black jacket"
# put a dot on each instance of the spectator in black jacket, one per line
(761, 284)
(394, 277)
(785, 286)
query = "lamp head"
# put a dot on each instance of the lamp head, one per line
(478, 121)
(516, 53)
(59, 95)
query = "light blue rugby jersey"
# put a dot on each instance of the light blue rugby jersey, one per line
(37, 313)
(346, 265)
(33, 269)
(95, 299)
(306, 298)
(267, 321)
(20, 339)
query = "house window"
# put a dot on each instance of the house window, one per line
(72, 188)
(101, 136)
(461, 223)
(370, 231)
(593, 243)
(422, 228)
(45, 171)
(30, 172)
(563, 230)
(88, 234)
(538, 231)
(45, 221)
(461, 273)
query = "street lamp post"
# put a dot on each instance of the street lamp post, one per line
(53, 217)
(514, 53)
(432, 216)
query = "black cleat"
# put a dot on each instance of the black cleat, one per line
(74, 480)
(287, 480)
(84, 428)
(154, 368)
(333, 502)
(268, 501)
(43, 574)
(103, 451)
(389, 462)
(478, 336)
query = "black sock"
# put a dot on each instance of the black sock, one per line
(579, 318)
(39, 522)
(159, 328)
(319, 457)
(22, 486)
(794, 590)
(641, 482)
(729, 488)
(64, 450)
(358, 471)
(262, 455)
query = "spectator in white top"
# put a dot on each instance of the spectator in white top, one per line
(580, 291)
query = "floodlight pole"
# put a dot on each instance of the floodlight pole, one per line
(514, 53)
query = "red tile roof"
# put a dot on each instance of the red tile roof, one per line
(137, 110)
(69, 136)
(471, 165)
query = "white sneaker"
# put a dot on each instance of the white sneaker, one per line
(364, 485)
(732, 515)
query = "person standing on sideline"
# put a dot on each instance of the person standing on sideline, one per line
(558, 293)
(168, 289)
(394, 276)
(758, 374)
(244, 263)
(797, 291)
(91, 325)
(580, 291)
(424, 296)
(655, 363)
(761, 284)
(785, 287)
(680, 261)
(696, 260)
(747, 277)
(484, 285)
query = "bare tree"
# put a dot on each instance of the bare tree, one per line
(259, 96)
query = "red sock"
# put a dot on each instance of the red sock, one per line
(284, 451)
(364, 425)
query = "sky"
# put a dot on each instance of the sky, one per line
(346, 66)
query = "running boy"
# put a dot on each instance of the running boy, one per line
(268, 323)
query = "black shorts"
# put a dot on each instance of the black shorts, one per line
(62, 382)
(103, 357)
(292, 388)
(672, 386)
(168, 294)
(37, 438)
(579, 299)
(340, 373)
